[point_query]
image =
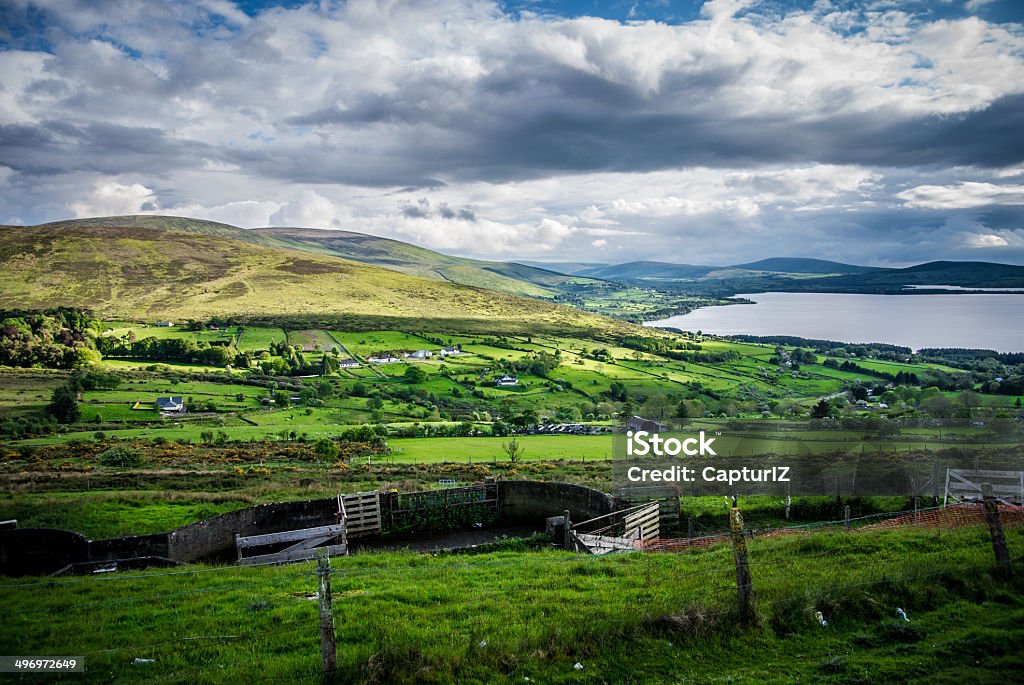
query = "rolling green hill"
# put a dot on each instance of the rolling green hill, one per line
(195, 271)
(516, 279)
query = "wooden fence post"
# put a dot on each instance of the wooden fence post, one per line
(689, 526)
(995, 529)
(328, 653)
(567, 536)
(846, 517)
(744, 585)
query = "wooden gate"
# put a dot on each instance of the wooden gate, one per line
(619, 531)
(963, 485)
(358, 515)
(306, 544)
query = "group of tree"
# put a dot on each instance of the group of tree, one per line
(60, 338)
(168, 349)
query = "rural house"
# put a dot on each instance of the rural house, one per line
(347, 364)
(175, 405)
(449, 351)
(506, 380)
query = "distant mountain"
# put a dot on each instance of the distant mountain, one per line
(800, 265)
(640, 271)
(963, 274)
(198, 270)
(570, 268)
(795, 274)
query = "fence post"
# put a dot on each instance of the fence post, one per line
(744, 585)
(788, 501)
(567, 537)
(689, 526)
(917, 515)
(846, 517)
(995, 529)
(328, 654)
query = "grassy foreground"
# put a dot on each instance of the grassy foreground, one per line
(530, 616)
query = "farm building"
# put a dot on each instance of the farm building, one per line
(420, 354)
(506, 381)
(164, 324)
(449, 351)
(170, 404)
(386, 359)
(638, 423)
(347, 364)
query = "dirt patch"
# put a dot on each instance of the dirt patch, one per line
(436, 542)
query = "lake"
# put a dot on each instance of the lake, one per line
(994, 322)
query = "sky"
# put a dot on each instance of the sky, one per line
(883, 132)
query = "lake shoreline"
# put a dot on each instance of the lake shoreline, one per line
(954, 319)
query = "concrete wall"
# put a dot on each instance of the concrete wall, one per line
(128, 547)
(535, 501)
(214, 538)
(40, 551)
(43, 550)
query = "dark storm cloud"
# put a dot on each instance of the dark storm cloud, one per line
(851, 132)
(57, 147)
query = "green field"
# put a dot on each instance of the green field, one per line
(256, 338)
(521, 616)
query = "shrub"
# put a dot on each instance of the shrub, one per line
(121, 455)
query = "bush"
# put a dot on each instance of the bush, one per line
(121, 455)
(326, 450)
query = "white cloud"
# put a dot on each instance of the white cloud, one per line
(984, 240)
(965, 195)
(310, 210)
(110, 198)
(975, 5)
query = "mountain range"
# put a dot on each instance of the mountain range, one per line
(801, 274)
(155, 267)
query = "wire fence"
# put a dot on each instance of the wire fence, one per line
(440, 611)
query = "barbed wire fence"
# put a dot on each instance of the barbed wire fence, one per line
(689, 588)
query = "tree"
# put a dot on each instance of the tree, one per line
(513, 449)
(414, 375)
(939, 406)
(823, 409)
(617, 391)
(64, 404)
(969, 399)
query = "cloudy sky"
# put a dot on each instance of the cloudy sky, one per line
(882, 132)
